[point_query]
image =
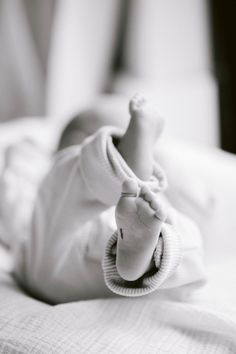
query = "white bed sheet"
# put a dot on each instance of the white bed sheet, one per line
(119, 325)
(207, 324)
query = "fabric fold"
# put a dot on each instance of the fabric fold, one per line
(167, 257)
(111, 169)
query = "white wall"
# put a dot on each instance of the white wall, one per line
(21, 73)
(82, 44)
(55, 55)
(168, 56)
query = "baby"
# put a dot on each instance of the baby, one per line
(101, 224)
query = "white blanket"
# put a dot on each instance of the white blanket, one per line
(207, 324)
(112, 325)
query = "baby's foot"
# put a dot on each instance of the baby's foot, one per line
(139, 220)
(137, 144)
(144, 112)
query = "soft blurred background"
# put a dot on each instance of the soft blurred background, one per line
(56, 56)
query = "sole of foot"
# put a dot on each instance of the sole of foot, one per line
(139, 220)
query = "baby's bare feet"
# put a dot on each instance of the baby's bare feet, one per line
(139, 220)
(137, 144)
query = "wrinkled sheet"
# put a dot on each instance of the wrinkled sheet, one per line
(118, 325)
(207, 324)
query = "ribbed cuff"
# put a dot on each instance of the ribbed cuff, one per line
(166, 258)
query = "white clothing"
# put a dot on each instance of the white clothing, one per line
(66, 251)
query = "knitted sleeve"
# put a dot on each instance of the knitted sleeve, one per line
(166, 258)
(178, 262)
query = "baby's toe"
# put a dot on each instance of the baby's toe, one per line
(130, 187)
(160, 210)
(146, 194)
(136, 103)
(144, 211)
(155, 204)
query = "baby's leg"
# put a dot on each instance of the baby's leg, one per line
(137, 144)
(56, 262)
(139, 219)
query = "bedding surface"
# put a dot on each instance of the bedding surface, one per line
(118, 325)
(206, 325)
